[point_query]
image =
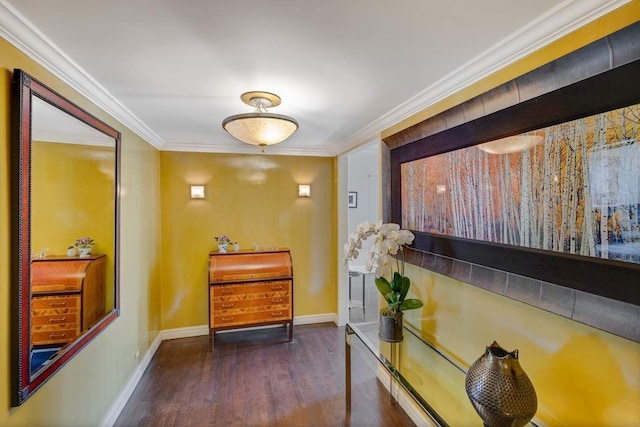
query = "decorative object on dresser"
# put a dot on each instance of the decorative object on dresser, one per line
(499, 389)
(387, 250)
(67, 297)
(85, 245)
(249, 288)
(223, 242)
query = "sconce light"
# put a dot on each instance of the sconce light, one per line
(197, 191)
(304, 190)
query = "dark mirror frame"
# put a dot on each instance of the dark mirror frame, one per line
(25, 88)
(612, 67)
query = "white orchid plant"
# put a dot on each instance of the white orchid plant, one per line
(387, 252)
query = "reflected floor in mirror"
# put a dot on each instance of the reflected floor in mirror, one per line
(257, 378)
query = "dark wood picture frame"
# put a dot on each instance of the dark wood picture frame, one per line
(597, 78)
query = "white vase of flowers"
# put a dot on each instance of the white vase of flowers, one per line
(387, 257)
(223, 243)
(84, 244)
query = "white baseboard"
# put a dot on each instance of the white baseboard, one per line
(316, 318)
(123, 397)
(189, 331)
(406, 402)
(169, 334)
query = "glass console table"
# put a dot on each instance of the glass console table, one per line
(435, 383)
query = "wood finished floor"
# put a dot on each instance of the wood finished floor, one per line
(257, 378)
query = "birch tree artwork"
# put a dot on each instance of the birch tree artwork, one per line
(572, 187)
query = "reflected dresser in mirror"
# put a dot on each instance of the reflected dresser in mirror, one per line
(67, 297)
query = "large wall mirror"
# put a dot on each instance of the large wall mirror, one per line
(66, 165)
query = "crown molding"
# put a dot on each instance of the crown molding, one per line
(565, 18)
(241, 148)
(18, 31)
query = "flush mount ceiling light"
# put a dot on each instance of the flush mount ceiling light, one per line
(260, 128)
(511, 144)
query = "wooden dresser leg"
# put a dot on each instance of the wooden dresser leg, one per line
(211, 338)
(291, 331)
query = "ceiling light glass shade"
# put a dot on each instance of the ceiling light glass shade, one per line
(260, 129)
(511, 144)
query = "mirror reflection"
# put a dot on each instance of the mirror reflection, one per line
(72, 230)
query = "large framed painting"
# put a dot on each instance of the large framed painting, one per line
(547, 187)
(571, 188)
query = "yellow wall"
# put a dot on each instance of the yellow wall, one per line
(251, 198)
(82, 392)
(72, 196)
(582, 376)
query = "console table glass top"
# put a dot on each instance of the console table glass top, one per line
(435, 383)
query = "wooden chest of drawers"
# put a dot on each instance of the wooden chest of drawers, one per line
(249, 289)
(67, 297)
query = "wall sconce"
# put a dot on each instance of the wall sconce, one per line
(197, 191)
(304, 190)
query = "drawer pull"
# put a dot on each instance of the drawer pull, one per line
(54, 336)
(227, 319)
(58, 320)
(276, 287)
(227, 291)
(227, 305)
(276, 314)
(276, 300)
(57, 304)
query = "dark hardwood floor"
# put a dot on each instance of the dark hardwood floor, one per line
(257, 378)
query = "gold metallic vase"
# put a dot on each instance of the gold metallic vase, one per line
(499, 390)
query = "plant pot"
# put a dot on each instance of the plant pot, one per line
(390, 329)
(499, 389)
(84, 252)
(222, 247)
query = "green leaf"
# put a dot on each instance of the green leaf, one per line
(396, 284)
(406, 283)
(384, 287)
(410, 304)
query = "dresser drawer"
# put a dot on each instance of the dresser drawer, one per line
(272, 315)
(252, 288)
(56, 321)
(58, 336)
(219, 319)
(55, 304)
(231, 304)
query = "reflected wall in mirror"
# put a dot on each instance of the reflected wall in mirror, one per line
(65, 242)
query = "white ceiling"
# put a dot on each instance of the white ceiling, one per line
(172, 70)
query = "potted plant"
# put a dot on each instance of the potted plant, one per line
(387, 252)
(84, 245)
(223, 241)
